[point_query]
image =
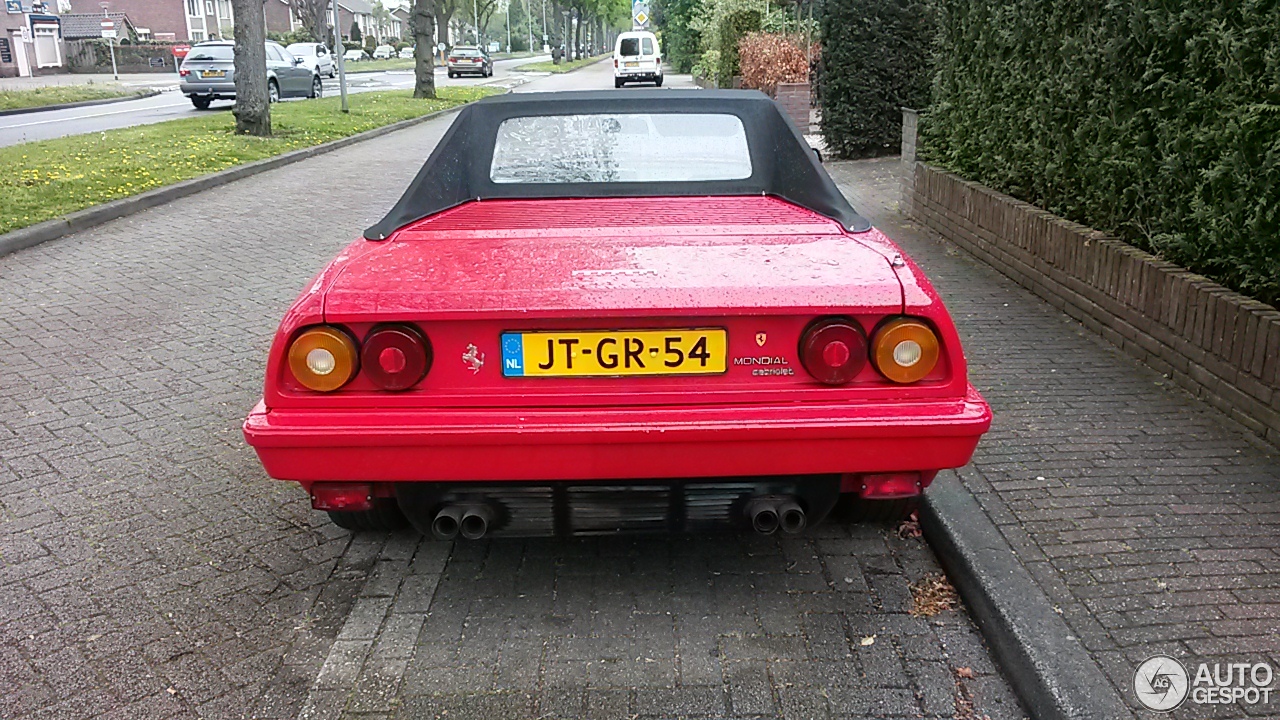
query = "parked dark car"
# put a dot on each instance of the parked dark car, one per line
(208, 74)
(469, 60)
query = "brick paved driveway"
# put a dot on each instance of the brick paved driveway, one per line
(730, 626)
(149, 569)
(147, 565)
(1148, 517)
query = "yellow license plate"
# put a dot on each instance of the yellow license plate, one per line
(213, 73)
(631, 64)
(614, 353)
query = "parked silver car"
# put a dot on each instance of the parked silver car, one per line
(208, 74)
(315, 56)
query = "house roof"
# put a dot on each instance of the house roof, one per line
(358, 7)
(77, 26)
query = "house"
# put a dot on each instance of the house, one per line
(400, 27)
(30, 39)
(185, 20)
(358, 12)
(83, 26)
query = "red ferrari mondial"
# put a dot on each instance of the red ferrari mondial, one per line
(596, 312)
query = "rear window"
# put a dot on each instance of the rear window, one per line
(212, 52)
(608, 148)
(465, 52)
(648, 46)
(629, 47)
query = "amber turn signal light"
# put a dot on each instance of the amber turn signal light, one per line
(323, 358)
(904, 350)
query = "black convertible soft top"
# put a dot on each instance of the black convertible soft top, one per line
(458, 171)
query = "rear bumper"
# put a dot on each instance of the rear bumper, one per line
(636, 74)
(216, 90)
(542, 444)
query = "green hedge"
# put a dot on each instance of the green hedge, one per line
(874, 62)
(733, 27)
(680, 39)
(1158, 120)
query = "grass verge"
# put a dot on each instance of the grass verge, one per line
(564, 67)
(59, 94)
(365, 66)
(50, 178)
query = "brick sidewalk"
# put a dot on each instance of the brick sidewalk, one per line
(147, 565)
(720, 626)
(1148, 517)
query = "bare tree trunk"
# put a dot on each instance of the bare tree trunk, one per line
(423, 22)
(444, 15)
(252, 108)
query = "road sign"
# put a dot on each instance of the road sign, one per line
(108, 28)
(639, 14)
(180, 51)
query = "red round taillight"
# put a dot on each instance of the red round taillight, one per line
(395, 357)
(833, 350)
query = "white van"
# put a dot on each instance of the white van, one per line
(637, 58)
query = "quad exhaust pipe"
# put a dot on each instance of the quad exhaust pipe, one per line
(470, 521)
(768, 513)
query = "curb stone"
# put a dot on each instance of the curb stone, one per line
(80, 103)
(93, 216)
(1052, 673)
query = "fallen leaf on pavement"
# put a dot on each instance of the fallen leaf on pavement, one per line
(931, 595)
(910, 528)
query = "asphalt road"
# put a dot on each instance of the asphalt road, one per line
(172, 105)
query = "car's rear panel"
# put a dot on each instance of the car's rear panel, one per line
(757, 269)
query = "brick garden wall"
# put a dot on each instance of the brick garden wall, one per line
(1220, 345)
(794, 99)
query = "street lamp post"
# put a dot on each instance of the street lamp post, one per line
(475, 10)
(528, 24)
(546, 37)
(111, 41)
(567, 39)
(508, 26)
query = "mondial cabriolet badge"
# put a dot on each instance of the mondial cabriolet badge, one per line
(473, 358)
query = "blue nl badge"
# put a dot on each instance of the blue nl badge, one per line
(512, 355)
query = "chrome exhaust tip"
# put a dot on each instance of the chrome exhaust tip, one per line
(447, 522)
(475, 522)
(764, 516)
(791, 517)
